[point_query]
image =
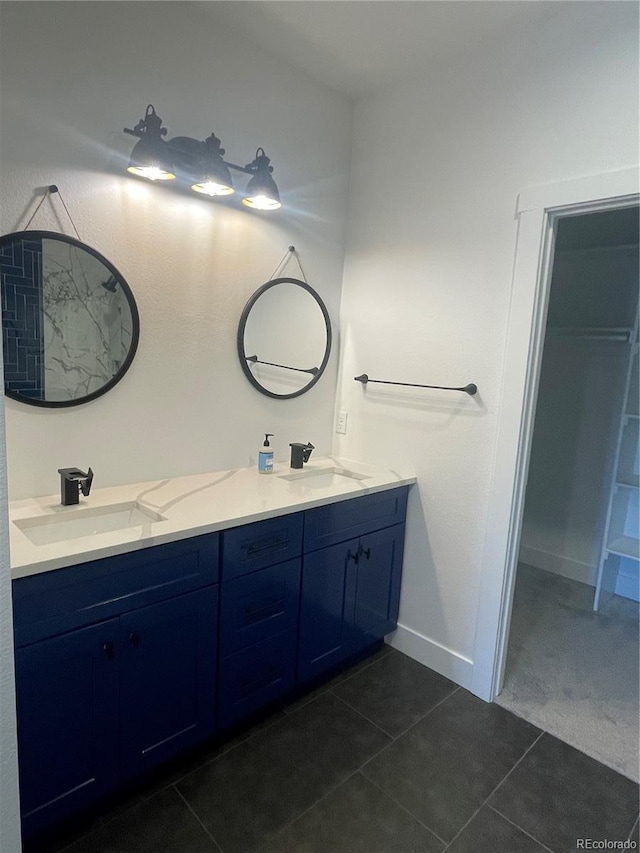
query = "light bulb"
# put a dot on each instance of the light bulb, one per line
(212, 188)
(151, 173)
(261, 202)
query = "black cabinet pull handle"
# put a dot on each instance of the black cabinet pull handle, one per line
(109, 650)
(134, 639)
(272, 608)
(353, 557)
(265, 680)
(367, 553)
(267, 545)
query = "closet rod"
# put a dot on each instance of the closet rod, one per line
(604, 333)
(470, 389)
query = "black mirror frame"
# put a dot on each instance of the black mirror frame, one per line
(242, 325)
(135, 321)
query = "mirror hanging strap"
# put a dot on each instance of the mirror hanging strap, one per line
(52, 190)
(291, 251)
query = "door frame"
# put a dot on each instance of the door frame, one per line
(537, 212)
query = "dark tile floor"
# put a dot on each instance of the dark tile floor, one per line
(389, 757)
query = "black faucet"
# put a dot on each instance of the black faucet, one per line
(71, 481)
(300, 453)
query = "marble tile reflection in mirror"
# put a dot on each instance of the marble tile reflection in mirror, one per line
(70, 323)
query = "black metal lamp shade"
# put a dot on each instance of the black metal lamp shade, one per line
(213, 176)
(262, 192)
(151, 159)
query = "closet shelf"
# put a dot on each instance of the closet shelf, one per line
(624, 546)
(632, 482)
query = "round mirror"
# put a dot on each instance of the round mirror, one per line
(70, 324)
(284, 338)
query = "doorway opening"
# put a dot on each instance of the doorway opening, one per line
(571, 666)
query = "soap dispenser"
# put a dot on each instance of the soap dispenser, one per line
(265, 456)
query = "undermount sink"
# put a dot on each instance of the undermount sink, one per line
(74, 524)
(322, 478)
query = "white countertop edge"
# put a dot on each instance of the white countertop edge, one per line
(192, 505)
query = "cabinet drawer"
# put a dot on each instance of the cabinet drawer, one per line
(328, 525)
(259, 605)
(255, 677)
(265, 543)
(53, 602)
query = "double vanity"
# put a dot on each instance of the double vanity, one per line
(152, 617)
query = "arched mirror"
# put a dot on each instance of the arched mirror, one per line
(284, 338)
(70, 324)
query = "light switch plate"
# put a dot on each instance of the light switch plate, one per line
(341, 422)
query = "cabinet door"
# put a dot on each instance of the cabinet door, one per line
(378, 585)
(66, 690)
(168, 673)
(326, 609)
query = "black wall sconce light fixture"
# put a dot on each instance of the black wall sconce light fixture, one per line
(201, 163)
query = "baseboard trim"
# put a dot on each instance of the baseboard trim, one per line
(572, 569)
(428, 652)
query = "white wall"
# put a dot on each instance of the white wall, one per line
(437, 164)
(73, 75)
(9, 801)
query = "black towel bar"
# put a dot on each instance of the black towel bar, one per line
(470, 389)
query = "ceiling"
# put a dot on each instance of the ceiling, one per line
(359, 46)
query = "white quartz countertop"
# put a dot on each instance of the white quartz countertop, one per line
(189, 506)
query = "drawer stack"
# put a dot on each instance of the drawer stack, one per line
(260, 602)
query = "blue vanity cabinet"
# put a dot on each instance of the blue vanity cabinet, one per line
(255, 678)
(259, 611)
(126, 662)
(337, 522)
(67, 707)
(259, 605)
(167, 679)
(377, 596)
(265, 543)
(115, 672)
(327, 609)
(350, 588)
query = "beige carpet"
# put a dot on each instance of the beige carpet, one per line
(573, 672)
